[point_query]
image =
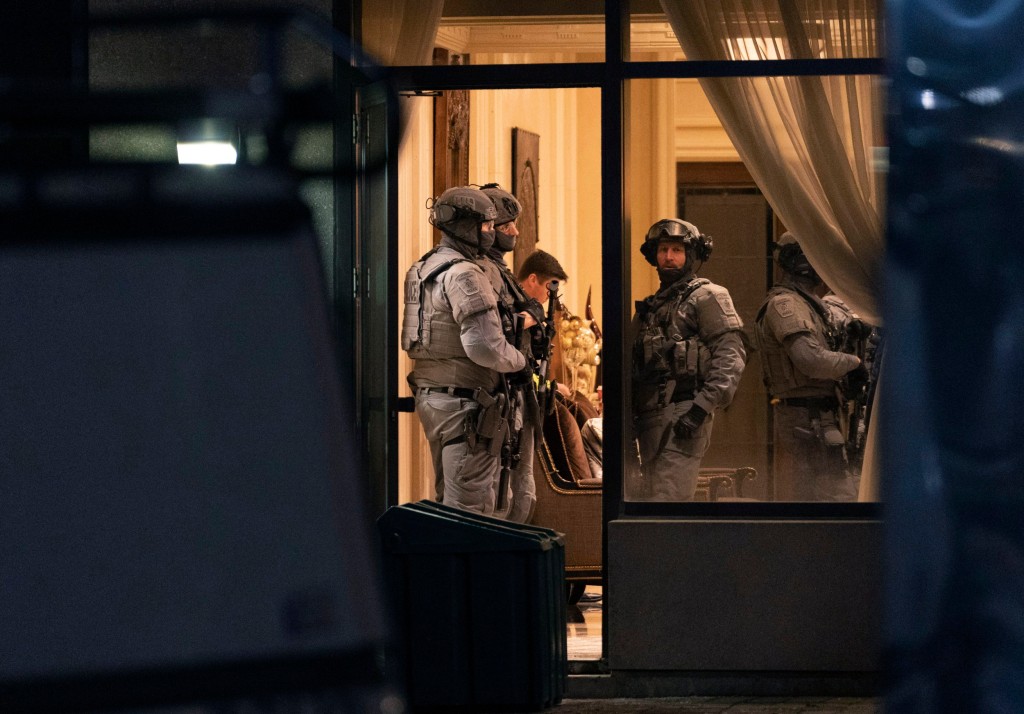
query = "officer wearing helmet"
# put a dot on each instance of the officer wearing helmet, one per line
(520, 317)
(688, 357)
(800, 341)
(452, 331)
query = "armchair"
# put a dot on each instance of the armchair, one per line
(568, 495)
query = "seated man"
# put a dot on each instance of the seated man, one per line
(537, 271)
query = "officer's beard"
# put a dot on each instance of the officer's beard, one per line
(671, 276)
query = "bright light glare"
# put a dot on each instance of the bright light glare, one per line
(207, 153)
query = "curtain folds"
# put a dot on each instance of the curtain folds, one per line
(809, 142)
(399, 32)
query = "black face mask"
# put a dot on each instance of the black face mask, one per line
(504, 242)
(486, 240)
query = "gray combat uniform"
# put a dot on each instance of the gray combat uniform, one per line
(688, 350)
(520, 490)
(798, 338)
(452, 332)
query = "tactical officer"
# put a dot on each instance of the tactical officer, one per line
(452, 331)
(688, 356)
(521, 320)
(800, 342)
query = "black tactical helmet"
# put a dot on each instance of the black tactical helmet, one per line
(790, 257)
(506, 205)
(460, 211)
(698, 246)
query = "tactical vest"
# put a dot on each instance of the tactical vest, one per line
(495, 271)
(664, 352)
(512, 300)
(429, 331)
(780, 375)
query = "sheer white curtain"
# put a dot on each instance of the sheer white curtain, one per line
(401, 32)
(808, 141)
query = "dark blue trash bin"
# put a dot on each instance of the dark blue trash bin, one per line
(481, 608)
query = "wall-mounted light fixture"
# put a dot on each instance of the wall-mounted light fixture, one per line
(209, 142)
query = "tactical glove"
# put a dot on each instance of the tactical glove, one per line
(522, 377)
(857, 329)
(856, 379)
(535, 310)
(690, 422)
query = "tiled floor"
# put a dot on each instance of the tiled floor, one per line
(584, 626)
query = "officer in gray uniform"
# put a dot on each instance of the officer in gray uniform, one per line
(452, 331)
(800, 342)
(688, 357)
(520, 316)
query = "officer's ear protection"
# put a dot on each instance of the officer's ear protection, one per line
(790, 257)
(702, 247)
(442, 213)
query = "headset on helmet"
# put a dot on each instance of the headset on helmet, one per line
(698, 245)
(790, 257)
(460, 213)
(506, 205)
(460, 202)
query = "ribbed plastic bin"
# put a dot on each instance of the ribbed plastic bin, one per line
(481, 609)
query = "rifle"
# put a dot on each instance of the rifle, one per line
(544, 389)
(857, 344)
(589, 313)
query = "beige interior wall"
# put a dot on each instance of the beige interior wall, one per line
(652, 171)
(415, 185)
(569, 185)
(588, 207)
(699, 135)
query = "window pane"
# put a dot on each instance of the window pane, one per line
(770, 29)
(409, 32)
(685, 166)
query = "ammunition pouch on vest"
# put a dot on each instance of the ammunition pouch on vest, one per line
(659, 354)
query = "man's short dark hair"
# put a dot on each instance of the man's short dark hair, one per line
(543, 265)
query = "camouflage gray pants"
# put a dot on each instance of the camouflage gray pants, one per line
(668, 463)
(522, 490)
(804, 470)
(464, 477)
